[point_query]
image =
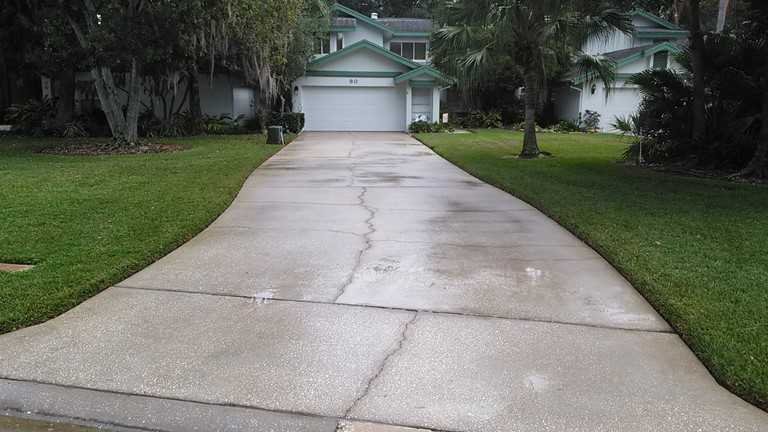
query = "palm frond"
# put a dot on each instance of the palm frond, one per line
(593, 68)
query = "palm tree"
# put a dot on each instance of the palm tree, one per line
(532, 35)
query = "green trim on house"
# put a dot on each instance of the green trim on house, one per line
(354, 74)
(412, 34)
(657, 20)
(423, 70)
(653, 49)
(355, 14)
(341, 29)
(364, 44)
(655, 33)
(424, 84)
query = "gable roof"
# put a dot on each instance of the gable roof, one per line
(655, 19)
(662, 29)
(390, 26)
(423, 70)
(360, 17)
(415, 69)
(364, 45)
(626, 56)
(408, 25)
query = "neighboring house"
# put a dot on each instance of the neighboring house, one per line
(227, 94)
(370, 74)
(651, 46)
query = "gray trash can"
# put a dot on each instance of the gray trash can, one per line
(275, 135)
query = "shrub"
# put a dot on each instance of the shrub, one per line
(223, 124)
(33, 117)
(73, 129)
(420, 126)
(480, 120)
(253, 124)
(290, 121)
(427, 127)
(566, 126)
(590, 120)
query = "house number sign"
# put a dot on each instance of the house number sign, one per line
(353, 80)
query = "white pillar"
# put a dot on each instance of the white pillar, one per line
(408, 106)
(435, 104)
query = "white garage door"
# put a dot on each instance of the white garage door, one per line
(354, 108)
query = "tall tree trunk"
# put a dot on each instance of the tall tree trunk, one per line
(136, 86)
(64, 90)
(758, 166)
(722, 13)
(530, 145)
(697, 62)
(110, 102)
(195, 108)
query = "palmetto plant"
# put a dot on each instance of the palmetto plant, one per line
(535, 36)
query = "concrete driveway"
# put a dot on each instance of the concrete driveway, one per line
(358, 283)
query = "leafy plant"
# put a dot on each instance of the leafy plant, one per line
(33, 117)
(480, 120)
(566, 126)
(427, 127)
(590, 120)
(222, 125)
(290, 121)
(73, 129)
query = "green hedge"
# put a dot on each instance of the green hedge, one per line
(290, 121)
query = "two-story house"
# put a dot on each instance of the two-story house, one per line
(370, 74)
(651, 45)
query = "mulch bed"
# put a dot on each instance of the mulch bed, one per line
(102, 149)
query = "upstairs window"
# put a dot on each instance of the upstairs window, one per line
(410, 50)
(323, 45)
(660, 60)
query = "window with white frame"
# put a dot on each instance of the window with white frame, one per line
(323, 45)
(339, 41)
(660, 60)
(410, 50)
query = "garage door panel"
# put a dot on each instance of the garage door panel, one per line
(354, 108)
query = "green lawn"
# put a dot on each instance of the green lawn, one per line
(89, 221)
(696, 249)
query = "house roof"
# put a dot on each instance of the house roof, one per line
(415, 69)
(389, 26)
(620, 55)
(661, 28)
(661, 22)
(343, 22)
(408, 25)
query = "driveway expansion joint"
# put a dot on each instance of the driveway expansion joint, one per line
(398, 346)
(394, 308)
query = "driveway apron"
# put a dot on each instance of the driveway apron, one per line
(359, 282)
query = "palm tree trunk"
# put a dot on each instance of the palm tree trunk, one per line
(758, 166)
(530, 145)
(697, 62)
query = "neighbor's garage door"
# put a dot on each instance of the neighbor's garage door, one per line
(354, 108)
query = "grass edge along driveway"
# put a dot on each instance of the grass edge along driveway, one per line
(87, 222)
(697, 249)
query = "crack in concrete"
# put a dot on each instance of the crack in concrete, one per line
(398, 346)
(368, 243)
